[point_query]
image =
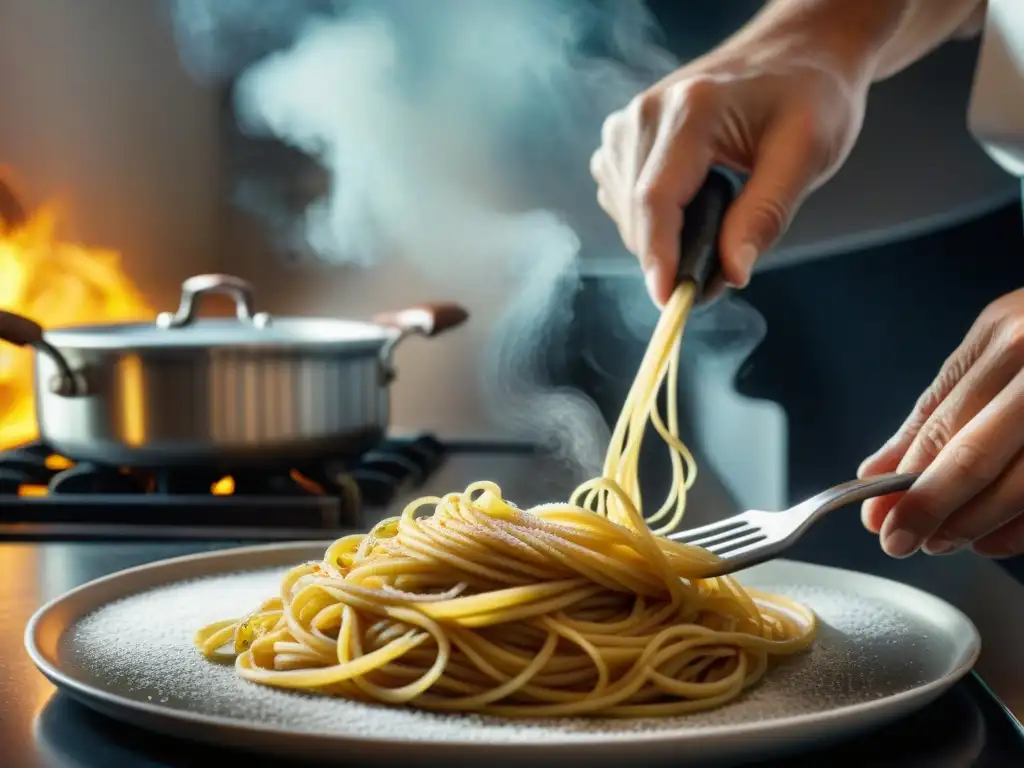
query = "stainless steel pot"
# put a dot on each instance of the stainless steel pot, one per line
(246, 390)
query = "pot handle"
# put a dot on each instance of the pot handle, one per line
(194, 288)
(425, 320)
(19, 330)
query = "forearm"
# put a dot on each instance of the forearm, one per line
(926, 25)
(861, 39)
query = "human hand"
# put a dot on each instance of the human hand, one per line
(966, 434)
(783, 115)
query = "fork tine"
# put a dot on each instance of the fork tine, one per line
(718, 537)
(725, 548)
(748, 549)
(721, 526)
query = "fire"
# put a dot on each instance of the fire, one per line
(56, 284)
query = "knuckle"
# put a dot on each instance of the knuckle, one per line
(805, 125)
(646, 107)
(699, 93)
(770, 217)
(649, 197)
(927, 402)
(1013, 338)
(972, 462)
(953, 369)
(933, 437)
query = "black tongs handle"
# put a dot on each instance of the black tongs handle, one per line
(702, 223)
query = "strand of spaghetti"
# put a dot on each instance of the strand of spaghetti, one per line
(350, 650)
(505, 689)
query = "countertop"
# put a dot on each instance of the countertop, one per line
(40, 728)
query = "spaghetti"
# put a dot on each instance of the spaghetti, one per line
(565, 609)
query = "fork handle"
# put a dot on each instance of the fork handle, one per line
(859, 490)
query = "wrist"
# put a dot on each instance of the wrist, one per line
(846, 38)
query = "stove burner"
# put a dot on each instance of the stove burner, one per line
(328, 493)
(23, 466)
(95, 478)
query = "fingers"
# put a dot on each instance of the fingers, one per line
(606, 173)
(968, 379)
(674, 170)
(653, 158)
(656, 153)
(785, 168)
(873, 511)
(1005, 541)
(973, 459)
(991, 512)
(953, 369)
(626, 140)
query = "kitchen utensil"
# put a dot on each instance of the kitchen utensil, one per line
(754, 536)
(185, 389)
(698, 241)
(122, 645)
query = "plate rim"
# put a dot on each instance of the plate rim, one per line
(86, 693)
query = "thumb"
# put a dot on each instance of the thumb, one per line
(785, 168)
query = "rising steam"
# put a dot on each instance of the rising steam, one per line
(456, 135)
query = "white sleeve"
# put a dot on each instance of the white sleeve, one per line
(996, 113)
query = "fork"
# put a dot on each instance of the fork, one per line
(754, 536)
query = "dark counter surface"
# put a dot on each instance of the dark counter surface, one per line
(39, 728)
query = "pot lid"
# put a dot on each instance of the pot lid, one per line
(183, 329)
(216, 332)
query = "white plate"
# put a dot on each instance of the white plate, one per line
(122, 646)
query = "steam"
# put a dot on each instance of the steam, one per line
(455, 134)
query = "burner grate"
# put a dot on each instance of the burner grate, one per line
(38, 487)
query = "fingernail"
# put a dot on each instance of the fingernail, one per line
(865, 517)
(900, 543)
(940, 546)
(651, 281)
(745, 257)
(864, 514)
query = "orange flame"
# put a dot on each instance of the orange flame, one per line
(56, 284)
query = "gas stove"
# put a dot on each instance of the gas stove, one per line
(46, 495)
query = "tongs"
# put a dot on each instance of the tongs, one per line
(698, 242)
(753, 536)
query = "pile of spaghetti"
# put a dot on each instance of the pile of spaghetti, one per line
(565, 609)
